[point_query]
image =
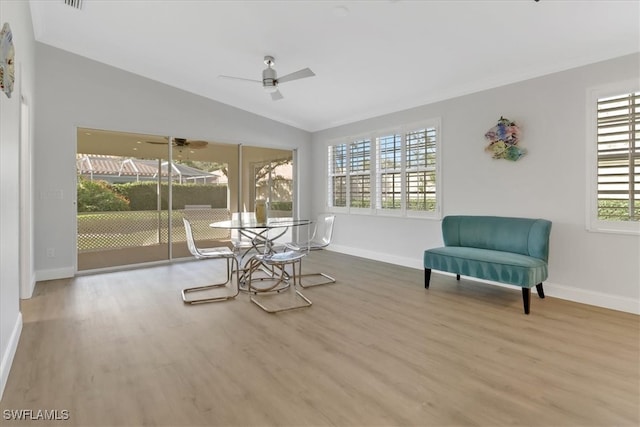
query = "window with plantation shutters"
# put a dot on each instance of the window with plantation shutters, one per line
(618, 157)
(406, 171)
(387, 172)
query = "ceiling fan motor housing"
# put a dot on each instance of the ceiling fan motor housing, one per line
(180, 142)
(269, 79)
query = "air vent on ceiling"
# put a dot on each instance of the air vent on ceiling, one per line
(74, 3)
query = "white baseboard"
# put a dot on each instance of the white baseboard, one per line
(26, 290)
(57, 273)
(377, 256)
(598, 299)
(556, 290)
(7, 357)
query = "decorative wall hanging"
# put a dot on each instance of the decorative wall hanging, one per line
(503, 140)
(7, 54)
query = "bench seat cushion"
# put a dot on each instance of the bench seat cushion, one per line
(499, 266)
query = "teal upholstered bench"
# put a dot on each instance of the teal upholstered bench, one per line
(501, 249)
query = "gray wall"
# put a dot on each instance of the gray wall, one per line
(77, 92)
(18, 16)
(549, 182)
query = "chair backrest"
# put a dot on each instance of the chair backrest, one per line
(191, 244)
(526, 236)
(201, 218)
(323, 231)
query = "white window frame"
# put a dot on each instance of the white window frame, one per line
(593, 95)
(375, 172)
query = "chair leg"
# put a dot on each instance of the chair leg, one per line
(457, 277)
(540, 290)
(526, 299)
(328, 279)
(427, 277)
(295, 277)
(230, 270)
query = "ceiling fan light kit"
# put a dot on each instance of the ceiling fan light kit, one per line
(270, 80)
(269, 76)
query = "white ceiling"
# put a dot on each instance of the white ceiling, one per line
(381, 56)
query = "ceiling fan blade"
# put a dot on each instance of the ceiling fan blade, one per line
(297, 75)
(276, 95)
(182, 143)
(240, 78)
(197, 144)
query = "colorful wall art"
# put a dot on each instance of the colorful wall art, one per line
(7, 54)
(503, 141)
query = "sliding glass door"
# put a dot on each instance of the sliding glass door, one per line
(122, 217)
(134, 191)
(267, 174)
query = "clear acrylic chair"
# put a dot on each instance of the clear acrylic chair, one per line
(210, 253)
(320, 239)
(282, 282)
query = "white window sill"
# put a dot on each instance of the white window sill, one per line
(615, 227)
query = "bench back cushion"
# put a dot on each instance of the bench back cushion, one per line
(525, 236)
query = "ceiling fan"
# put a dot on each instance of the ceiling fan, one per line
(270, 80)
(181, 143)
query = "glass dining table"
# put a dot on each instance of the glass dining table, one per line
(260, 236)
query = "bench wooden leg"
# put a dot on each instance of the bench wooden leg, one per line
(427, 277)
(540, 290)
(526, 299)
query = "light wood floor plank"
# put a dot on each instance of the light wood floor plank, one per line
(375, 349)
